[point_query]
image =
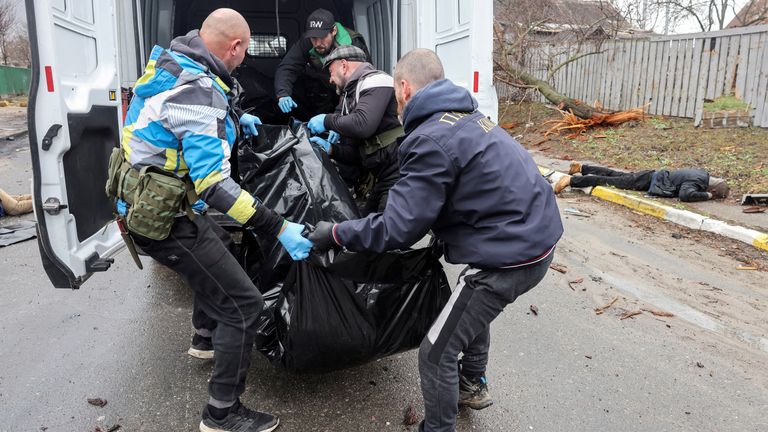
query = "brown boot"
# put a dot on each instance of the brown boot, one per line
(575, 168)
(563, 183)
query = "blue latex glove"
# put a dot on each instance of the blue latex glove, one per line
(316, 124)
(325, 145)
(248, 124)
(297, 246)
(333, 137)
(286, 104)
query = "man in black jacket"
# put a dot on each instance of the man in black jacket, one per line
(480, 192)
(687, 184)
(366, 120)
(313, 92)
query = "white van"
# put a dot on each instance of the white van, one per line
(85, 53)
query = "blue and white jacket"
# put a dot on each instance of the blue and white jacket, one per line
(182, 119)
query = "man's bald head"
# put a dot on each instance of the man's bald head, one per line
(226, 34)
(413, 72)
(419, 67)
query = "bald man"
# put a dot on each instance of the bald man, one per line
(182, 123)
(480, 193)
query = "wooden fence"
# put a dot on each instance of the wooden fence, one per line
(673, 75)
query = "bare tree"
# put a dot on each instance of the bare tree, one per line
(7, 27)
(549, 34)
(19, 53)
(714, 14)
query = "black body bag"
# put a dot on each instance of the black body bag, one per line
(342, 308)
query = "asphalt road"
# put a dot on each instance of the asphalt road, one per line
(123, 337)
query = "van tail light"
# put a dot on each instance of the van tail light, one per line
(476, 84)
(49, 78)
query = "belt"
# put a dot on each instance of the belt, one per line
(378, 142)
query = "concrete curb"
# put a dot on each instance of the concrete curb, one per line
(681, 217)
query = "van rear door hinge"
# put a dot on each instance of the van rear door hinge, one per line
(53, 206)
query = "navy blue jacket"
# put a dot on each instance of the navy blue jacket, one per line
(466, 179)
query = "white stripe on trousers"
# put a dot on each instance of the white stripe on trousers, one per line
(437, 327)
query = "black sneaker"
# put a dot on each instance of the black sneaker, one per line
(473, 393)
(239, 419)
(202, 347)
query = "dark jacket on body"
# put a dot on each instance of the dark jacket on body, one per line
(467, 180)
(688, 184)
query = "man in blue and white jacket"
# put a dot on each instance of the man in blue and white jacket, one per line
(480, 192)
(183, 119)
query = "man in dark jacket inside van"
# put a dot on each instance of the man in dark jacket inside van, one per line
(480, 192)
(687, 184)
(366, 119)
(313, 92)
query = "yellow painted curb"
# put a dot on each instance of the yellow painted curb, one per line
(761, 242)
(643, 206)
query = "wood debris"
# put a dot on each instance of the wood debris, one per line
(749, 267)
(630, 314)
(559, 268)
(575, 282)
(602, 309)
(574, 126)
(658, 313)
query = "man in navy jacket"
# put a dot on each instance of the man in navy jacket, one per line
(481, 193)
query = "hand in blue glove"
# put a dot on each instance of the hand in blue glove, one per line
(297, 246)
(325, 145)
(333, 137)
(316, 124)
(248, 124)
(286, 104)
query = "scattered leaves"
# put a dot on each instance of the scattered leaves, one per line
(700, 364)
(534, 309)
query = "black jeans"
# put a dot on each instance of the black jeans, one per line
(226, 301)
(601, 176)
(463, 326)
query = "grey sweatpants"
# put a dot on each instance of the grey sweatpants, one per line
(464, 326)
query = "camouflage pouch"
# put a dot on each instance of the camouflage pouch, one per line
(122, 179)
(158, 198)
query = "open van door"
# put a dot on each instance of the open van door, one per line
(461, 33)
(74, 123)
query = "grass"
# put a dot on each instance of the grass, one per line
(739, 155)
(726, 103)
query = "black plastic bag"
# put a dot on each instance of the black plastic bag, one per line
(339, 309)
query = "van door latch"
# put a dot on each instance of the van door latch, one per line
(50, 135)
(53, 206)
(95, 263)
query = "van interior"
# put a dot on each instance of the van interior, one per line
(275, 27)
